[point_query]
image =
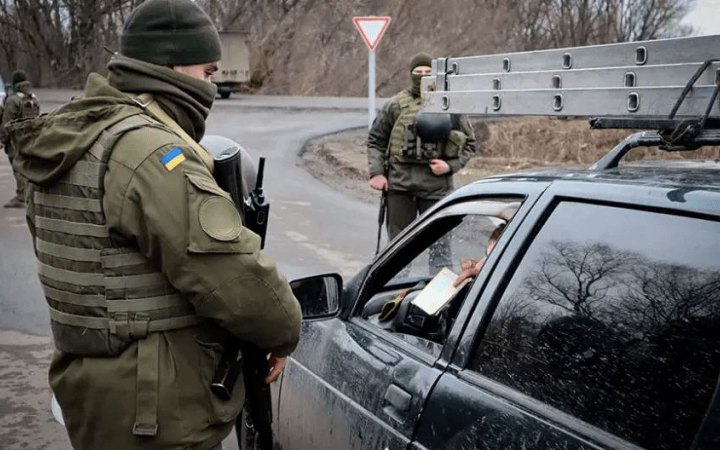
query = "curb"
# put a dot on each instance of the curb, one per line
(306, 145)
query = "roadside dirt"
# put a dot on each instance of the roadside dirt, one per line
(26, 421)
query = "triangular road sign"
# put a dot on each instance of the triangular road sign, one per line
(371, 29)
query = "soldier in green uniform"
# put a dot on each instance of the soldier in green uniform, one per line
(145, 265)
(414, 183)
(21, 104)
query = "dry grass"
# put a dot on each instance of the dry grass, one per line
(540, 142)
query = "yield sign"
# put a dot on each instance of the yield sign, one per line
(371, 29)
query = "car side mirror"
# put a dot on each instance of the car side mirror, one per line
(319, 296)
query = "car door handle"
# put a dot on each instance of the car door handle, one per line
(388, 357)
(396, 403)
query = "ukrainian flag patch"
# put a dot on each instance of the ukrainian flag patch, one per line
(173, 158)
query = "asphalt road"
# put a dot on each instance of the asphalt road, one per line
(313, 230)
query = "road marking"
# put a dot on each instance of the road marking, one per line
(294, 203)
(296, 237)
(17, 222)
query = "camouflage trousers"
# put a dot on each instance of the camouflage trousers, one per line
(402, 209)
(20, 181)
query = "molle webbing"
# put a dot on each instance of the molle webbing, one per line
(65, 202)
(91, 282)
(137, 325)
(409, 107)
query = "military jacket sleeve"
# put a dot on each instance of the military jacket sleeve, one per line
(379, 137)
(172, 209)
(470, 148)
(10, 113)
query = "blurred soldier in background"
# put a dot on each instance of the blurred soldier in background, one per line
(21, 104)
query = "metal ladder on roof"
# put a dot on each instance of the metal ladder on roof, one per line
(667, 85)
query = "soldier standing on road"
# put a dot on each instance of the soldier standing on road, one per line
(144, 263)
(414, 183)
(21, 104)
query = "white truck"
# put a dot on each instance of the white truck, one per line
(234, 68)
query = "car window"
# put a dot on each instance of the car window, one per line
(613, 316)
(456, 240)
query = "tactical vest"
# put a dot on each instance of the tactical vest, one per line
(402, 133)
(101, 292)
(29, 106)
(406, 146)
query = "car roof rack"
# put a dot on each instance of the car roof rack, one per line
(669, 86)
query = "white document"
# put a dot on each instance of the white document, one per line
(438, 292)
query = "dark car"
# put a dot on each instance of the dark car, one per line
(593, 323)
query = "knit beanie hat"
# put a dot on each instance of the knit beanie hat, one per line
(18, 77)
(421, 59)
(170, 33)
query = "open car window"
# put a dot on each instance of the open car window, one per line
(413, 294)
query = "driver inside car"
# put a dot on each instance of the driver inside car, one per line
(470, 269)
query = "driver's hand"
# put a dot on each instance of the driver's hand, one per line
(464, 275)
(277, 365)
(470, 268)
(468, 263)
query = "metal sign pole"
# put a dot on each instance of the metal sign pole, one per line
(371, 88)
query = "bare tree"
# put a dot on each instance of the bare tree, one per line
(567, 23)
(576, 277)
(60, 41)
(660, 294)
(638, 20)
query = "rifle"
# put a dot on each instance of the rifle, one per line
(254, 209)
(383, 200)
(381, 218)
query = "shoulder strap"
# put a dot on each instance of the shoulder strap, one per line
(148, 103)
(102, 147)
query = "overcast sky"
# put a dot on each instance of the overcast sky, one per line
(705, 17)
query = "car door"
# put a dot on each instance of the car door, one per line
(354, 383)
(598, 329)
